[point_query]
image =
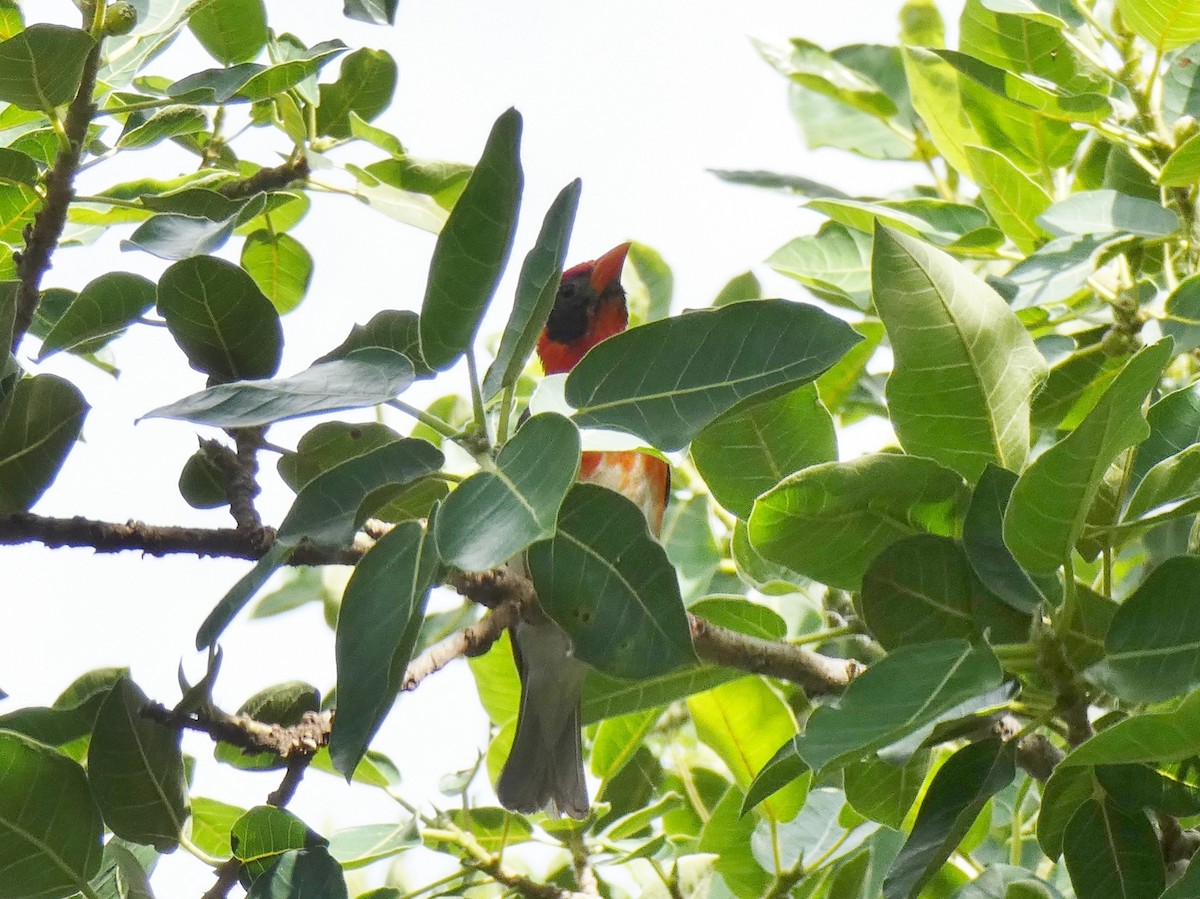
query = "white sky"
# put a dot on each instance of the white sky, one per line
(637, 97)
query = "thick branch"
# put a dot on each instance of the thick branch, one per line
(248, 734)
(267, 179)
(41, 239)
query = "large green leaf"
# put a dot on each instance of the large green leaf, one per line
(495, 514)
(135, 769)
(919, 590)
(302, 874)
(220, 319)
(1107, 211)
(1168, 486)
(176, 236)
(355, 847)
(1174, 426)
(102, 310)
(1112, 852)
(172, 121)
(42, 66)
(262, 835)
(44, 416)
(73, 713)
(812, 67)
(965, 367)
(50, 828)
(1049, 100)
(897, 696)
(937, 98)
(1013, 198)
(885, 792)
(959, 792)
(743, 722)
(378, 624)
(366, 377)
(667, 380)
(1154, 738)
(393, 329)
(231, 30)
(249, 82)
(280, 266)
(473, 247)
(609, 585)
(983, 541)
(749, 450)
(537, 286)
(365, 86)
(1166, 24)
(938, 221)
(1050, 502)
(1150, 649)
(834, 263)
(829, 521)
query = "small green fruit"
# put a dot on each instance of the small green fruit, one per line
(120, 18)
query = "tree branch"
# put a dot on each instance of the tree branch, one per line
(473, 640)
(41, 238)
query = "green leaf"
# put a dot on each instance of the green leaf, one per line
(364, 87)
(393, 329)
(123, 875)
(829, 521)
(687, 537)
(649, 284)
(1182, 169)
(328, 444)
(73, 714)
(1170, 483)
(284, 704)
(1166, 24)
(609, 585)
(991, 560)
(280, 266)
(1055, 13)
(938, 100)
(739, 288)
(102, 310)
(918, 590)
(835, 264)
(473, 247)
(18, 168)
(493, 515)
(647, 381)
(1181, 86)
(1150, 647)
(366, 377)
(441, 181)
(1186, 886)
(43, 66)
(49, 823)
(727, 834)
(212, 822)
(1153, 738)
(1112, 852)
(606, 697)
(937, 221)
(1109, 212)
(537, 286)
(135, 769)
(617, 742)
(1174, 426)
(170, 121)
(1182, 321)
(232, 31)
(812, 67)
(1057, 270)
(354, 847)
(45, 414)
(1050, 502)
(377, 12)
(262, 835)
(380, 618)
(251, 82)
(742, 722)
(220, 319)
(1013, 198)
(173, 236)
(909, 688)
(783, 768)
(1047, 99)
(965, 367)
(748, 450)
(959, 792)
(883, 791)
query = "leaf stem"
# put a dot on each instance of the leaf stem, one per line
(430, 421)
(477, 394)
(821, 636)
(199, 853)
(506, 410)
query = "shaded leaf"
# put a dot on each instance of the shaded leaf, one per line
(918, 590)
(1108, 212)
(609, 585)
(45, 414)
(537, 285)
(264, 834)
(1112, 852)
(174, 236)
(170, 121)
(364, 86)
(649, 380)
(102, 310)
(220, 319)
(354, 847)
(135, 769)
(493, 515)
(835, 264)
(367, 377)
(43, 65)
(882, 791)
(473, 247)
(829, 521)
(280, 266)
(232, 31)
(380, 618)
(1051, 499)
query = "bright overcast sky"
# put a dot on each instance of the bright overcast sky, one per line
(637, 97)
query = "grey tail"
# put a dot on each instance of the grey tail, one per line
(544, 770)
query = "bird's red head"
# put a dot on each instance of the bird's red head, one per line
(589, 306)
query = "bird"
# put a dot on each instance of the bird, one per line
(544, 770)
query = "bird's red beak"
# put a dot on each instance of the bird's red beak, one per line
(608, 268)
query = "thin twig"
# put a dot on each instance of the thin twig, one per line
(473, 640)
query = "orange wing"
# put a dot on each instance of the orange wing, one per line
(641, 477)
